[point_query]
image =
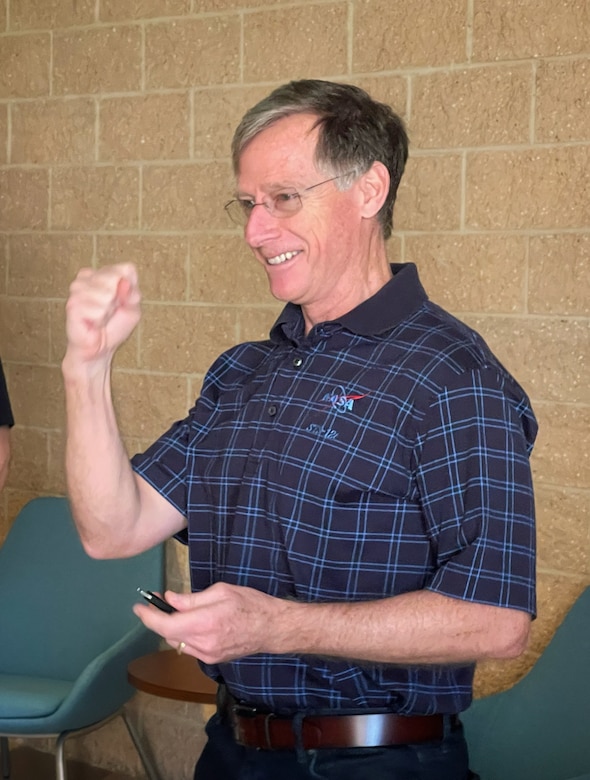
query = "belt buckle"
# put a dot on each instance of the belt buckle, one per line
(244, 710)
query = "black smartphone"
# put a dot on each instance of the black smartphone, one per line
(158, 602)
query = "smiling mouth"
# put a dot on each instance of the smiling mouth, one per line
(282, 258)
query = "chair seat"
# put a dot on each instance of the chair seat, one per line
(30, 697)
(68, 630)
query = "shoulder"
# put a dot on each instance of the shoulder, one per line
(238, 364)
(442, 348)
(452, 367)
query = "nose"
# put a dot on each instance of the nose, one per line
(261, 226)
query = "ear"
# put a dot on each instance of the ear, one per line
(373, 188)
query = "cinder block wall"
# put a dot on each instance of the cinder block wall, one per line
(115, 122)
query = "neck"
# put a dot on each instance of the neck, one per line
(363, 280)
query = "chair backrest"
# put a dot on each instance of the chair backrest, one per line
(52, 593)
(540, 728)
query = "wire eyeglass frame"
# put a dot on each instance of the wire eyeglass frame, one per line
(283, 204)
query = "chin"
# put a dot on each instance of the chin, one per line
(281, 290)
(282, 294)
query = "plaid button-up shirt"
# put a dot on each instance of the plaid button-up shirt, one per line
(384, 452)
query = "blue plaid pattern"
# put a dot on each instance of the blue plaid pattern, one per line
(385, 452)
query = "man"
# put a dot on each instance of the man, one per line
(355, 491)
(6, 423)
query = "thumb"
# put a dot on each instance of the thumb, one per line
(181, 601)
(123, 290)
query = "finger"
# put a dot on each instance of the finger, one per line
(154, 620)
(100, 294)
(159, 623)
(122, 292)
(151, 617)
(181, 601)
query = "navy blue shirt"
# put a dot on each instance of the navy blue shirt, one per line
(384, 452)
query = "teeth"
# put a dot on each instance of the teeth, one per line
(278, 259)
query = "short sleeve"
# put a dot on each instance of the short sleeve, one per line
(164, 465)
(475, 483)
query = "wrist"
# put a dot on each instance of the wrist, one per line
(78, 370)
(297, 628)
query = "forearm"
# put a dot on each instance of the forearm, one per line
(117, 512)
(102, 486)
(414, 628)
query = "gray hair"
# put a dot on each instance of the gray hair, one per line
(354, 132)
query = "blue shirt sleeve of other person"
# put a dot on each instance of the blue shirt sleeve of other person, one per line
(384, 452)
(6, 417)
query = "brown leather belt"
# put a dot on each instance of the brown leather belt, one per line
(267, 731)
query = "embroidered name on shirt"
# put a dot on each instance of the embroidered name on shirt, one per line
(320, 430)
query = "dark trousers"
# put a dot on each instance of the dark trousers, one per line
(224, 759)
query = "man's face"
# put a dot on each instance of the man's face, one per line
(311, 257)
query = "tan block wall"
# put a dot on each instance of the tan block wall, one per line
(115, 123)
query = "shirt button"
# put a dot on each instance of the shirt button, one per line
(272, 410)
(297, 362)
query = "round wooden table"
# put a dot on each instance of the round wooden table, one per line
(173, 676)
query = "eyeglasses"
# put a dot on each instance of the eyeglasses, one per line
(281, 204)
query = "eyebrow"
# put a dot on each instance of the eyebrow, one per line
(269, 188)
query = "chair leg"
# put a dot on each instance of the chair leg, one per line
(146, 760)
(60, 766)
(5, 756)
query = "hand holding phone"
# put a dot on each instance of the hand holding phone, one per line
(158, 602)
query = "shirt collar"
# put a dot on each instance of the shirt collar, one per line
(390, 305)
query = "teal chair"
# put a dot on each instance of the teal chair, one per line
(68, 630)
(540, 728)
